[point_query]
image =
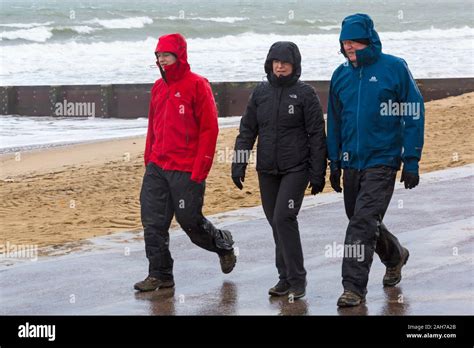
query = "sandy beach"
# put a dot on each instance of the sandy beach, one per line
(65, 194)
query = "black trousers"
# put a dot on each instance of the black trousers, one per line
(367, 194)
(165, 193)
(282, 196)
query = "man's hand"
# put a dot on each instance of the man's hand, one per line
(316, 188)
(238, 180)
(410, 179)
(335, 179)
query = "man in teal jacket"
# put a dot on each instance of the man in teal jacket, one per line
(375, 123)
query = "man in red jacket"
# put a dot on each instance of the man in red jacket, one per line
(180, 146)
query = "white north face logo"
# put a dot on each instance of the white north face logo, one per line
(373, 79)
(294, 96)
(178, 95)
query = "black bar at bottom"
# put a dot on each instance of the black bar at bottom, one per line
(134, 330)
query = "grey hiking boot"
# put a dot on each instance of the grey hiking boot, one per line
(152, 283)
(228, 261)
(393, 275)
(350, 299)
(280, 289)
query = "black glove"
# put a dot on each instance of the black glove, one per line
(238, 181)
(316, 187)
(335, 179)
(410, 179)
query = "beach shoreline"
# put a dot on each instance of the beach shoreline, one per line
(72, 193)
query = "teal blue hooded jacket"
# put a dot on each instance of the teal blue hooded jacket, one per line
(375, 110)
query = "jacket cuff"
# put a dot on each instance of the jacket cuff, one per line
(335, 165)
(410, 165)
(197, 178)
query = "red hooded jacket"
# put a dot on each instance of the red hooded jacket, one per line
(182, 120)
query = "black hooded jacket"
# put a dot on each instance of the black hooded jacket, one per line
(286, 116)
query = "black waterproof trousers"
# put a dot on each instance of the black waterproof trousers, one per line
(282, 196)
(367, 194)
(166, 193)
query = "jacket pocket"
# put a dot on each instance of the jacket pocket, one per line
(386, 94)
(265, 153)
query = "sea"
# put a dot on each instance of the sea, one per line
(57, 42)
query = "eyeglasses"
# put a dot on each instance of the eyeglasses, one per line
(163, 54)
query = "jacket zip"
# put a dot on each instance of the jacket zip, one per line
(164, 119)
(279, 92)
(357, 117)
(186, 128)
(185, 121)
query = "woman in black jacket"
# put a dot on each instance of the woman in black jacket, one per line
(286, 116)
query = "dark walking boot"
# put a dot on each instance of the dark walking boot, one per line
(393, 275)
(350, 299)
(151, 284)
(297, 292)
(280, 289)
(228, 261)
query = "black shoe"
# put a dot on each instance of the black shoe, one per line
(280, 289)
(228, 261)
(393, 275)
(152, 283)
(296, 292)
(350, 299)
